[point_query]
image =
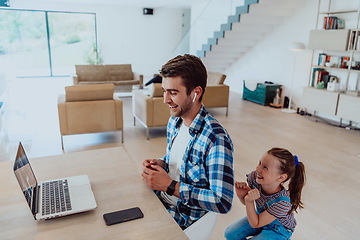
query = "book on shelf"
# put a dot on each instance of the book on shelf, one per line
(315, 76)
(340, 23)
(321, 78)
(344, 62)
(335, 61)
(322, 59)
(353, 40)
(357, 43)
(325, 22)
(327, 58)
(332, 22)
(325, 79)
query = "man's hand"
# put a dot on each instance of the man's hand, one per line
(252, 195)
(148, 163)
(155, 176)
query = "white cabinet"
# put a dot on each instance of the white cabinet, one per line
(321, 100)
(349, 108)
(333, 40)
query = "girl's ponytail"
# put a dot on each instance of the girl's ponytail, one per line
(296, 184)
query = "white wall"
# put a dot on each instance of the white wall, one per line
(125, 35)
(271, 59)
(128, 36)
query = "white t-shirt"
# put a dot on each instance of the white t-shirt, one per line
(176, 159)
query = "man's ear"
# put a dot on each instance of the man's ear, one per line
(198, 90)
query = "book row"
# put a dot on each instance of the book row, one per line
(333, 61)
(322, 79)
(333, 23)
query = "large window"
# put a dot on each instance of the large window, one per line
(44, 43)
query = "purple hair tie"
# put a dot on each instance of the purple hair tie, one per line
(296, 160)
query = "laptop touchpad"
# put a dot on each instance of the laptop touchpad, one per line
(82, 197)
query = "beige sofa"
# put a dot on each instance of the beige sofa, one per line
(149, 107)
(216, 92)
(89, 109)
(121, 75)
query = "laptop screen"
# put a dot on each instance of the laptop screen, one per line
(25, 177)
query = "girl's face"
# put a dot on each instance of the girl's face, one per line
(268, 171)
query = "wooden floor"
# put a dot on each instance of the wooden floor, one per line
(331, 154)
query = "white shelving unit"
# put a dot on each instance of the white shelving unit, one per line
(342, 46)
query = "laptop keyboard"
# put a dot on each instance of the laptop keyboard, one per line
(55, 197)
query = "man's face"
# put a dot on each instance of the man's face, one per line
(175, 96)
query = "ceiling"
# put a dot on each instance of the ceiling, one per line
(134, 3)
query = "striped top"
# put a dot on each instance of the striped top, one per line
(278, 209)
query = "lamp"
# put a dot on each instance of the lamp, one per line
(295, 47)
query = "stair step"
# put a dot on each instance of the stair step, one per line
(243, 30)
(219, 34)
(225, 27)
(242, 10)
(206, 47)
(212, 41)
(234, 18)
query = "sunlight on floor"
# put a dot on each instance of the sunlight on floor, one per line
(30, 115)
(29, 108)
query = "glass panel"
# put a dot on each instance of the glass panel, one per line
(72, 41)
(23, 43)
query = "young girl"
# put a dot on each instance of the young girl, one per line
(273, 217)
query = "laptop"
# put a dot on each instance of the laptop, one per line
(53, 198)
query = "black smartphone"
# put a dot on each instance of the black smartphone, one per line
(122, 216)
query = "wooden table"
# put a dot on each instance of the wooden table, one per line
(117, 184)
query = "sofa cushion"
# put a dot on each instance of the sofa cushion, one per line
(215, 78)
(89, 92)
(156, 90)
(90, 117)
(118, 72)
(90, 73)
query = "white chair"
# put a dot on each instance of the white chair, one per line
(202, 228)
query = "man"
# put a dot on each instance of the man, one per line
(196, 174)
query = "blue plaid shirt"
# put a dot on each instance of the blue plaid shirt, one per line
(207, 177)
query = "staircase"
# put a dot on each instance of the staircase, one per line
(250, 24)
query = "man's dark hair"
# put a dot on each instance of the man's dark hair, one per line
(190, 68)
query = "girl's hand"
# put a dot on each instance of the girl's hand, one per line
(241, 189)
(252, 195)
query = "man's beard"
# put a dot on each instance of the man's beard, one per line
(182, 111)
